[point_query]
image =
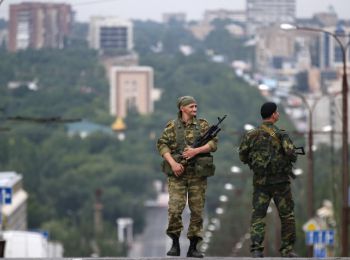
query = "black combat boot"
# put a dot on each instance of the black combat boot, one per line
(175, 248)
(192, 250)
(257, 254)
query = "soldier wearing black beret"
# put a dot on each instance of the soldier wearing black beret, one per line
(270, 154)
(267, 109)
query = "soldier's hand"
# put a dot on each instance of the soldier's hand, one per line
(189, 153)
(177, 168)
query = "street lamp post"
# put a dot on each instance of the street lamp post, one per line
(345, 151)
(310, 157)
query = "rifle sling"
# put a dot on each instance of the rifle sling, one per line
(271, 133)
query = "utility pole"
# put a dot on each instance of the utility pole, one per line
(345, 152)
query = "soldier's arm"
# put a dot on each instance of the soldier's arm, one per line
(213, 144)
(164, 140)
(288, 147)
(192, 152)
(244, 148)
(165, 151)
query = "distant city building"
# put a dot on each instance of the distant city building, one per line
(236, 30)
(118, 125)
(314, 80)
(14, 215)
(262, 13)
(119, 128)
(321, 49)
(326, 19)
(201, 30)
(109, 61)
(39, 25)
(330, 52)
(85, 128)
(186, 50)
(110, 34)
(223, 14)
(273, 46)
(31, 85)
(131, 89)
(177, 17)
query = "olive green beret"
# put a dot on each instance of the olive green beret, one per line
(184, 101)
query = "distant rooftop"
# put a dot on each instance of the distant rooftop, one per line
(118, 124)
(85, 128)
(9, 179)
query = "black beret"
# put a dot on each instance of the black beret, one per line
(267, 109)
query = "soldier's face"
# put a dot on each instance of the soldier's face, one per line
(190, 110)
(276, 116)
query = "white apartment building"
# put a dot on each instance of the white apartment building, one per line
(110, 34)
(222, 14)
(179, 17)
(262, 13)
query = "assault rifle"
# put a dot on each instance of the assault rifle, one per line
(299, 150)
(211, 133)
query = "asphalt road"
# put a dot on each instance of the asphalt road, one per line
(154, 242)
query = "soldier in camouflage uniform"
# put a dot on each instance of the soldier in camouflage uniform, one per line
(269, 152)
(187, 177)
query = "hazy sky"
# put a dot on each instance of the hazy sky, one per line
(153, 9)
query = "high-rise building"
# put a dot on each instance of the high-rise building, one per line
(14, 215)
(110, 34)
(330, 52)
(39, 25)
(131, 89)
(273, 46)
(262, 13)
(177, 17)
(223, 14)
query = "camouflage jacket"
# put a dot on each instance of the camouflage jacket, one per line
(269, 153)
(167, 142)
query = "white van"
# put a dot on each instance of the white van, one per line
(25, 244)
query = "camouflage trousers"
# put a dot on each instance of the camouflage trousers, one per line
(282, 197)
(182, 188)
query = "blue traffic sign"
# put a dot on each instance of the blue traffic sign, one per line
(320, 251)
(309, 238)
(325, 237)
(5, 195)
